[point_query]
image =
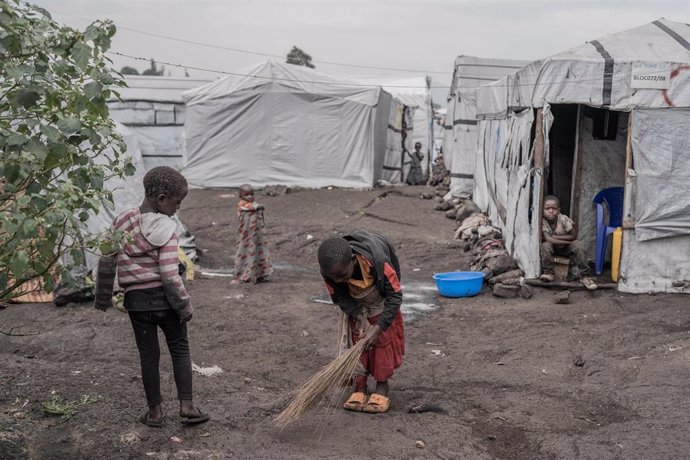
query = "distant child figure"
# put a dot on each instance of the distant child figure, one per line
(362, 274)
(439, 173)
(146, 265)
(252, 259)
(416, 176)
(560, 238)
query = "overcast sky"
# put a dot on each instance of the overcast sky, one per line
(420, 35)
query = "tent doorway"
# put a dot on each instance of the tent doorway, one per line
(562, 145)
(586, 154)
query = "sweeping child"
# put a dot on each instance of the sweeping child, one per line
(146, 265)
(252, 259)
(362, 275)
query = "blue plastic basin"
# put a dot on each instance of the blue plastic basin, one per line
(459, 284)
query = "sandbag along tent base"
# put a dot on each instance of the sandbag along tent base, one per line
(283, 124)
(611, 112)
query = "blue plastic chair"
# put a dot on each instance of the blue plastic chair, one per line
(613, 197)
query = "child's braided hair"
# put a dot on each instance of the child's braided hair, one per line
(164, 180)
(334, 252)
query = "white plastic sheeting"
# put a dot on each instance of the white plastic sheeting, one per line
(153, 110)
(285, 125)
(505, 183)
(460, 143)
(661, 184)
(599, 73)
(414, 93)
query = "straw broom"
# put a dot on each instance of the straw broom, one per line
(325, 382)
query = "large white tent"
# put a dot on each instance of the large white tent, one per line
(639, 80)
(460, 138)
(152, 109)
(277, 123)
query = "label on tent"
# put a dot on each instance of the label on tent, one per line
(650, 76)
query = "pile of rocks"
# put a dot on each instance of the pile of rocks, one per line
(486, 243)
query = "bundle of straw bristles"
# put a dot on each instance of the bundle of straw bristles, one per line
(327, 381)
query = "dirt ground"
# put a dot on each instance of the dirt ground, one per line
(503, 377)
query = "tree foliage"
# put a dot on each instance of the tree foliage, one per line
(58, 143)
(298, 57)
(127, 70)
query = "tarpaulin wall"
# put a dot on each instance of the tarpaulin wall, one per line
(506, 183)
(656, 254)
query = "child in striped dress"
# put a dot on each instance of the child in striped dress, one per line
(252, 259)
(146, 265)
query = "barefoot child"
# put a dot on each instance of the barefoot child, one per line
(560, 238)
(146, 264)
(362, 274)
(252, 259)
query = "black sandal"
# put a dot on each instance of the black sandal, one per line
(148, 422)
(196, 419)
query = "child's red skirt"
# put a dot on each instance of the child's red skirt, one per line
(387, 353)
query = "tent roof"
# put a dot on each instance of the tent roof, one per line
(658, 41)
(411, 91)
(599, 73)
(472, 71)
(293, 77)
(156, 88)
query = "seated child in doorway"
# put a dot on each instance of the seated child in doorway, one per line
(146, 266)
(252, 259)
(362, 274)
(560, 238)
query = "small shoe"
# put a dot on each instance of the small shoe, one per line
(588, 283)
(356, 401)
(148, 422)
(200, 417)
(377, 404)
(547, 277)
(235, 282)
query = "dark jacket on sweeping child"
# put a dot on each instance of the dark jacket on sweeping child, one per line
(252, 259)
(146, 265)
(362, 275)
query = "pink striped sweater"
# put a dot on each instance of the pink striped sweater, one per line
(147, 259)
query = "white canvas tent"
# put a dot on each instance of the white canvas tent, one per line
(460, 138)
(277, 123)
(641, 77)
(414, 93)
(151, 107)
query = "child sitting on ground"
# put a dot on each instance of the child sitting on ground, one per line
(252, 259)
(147, 268)
(362, 274)
(560, 238)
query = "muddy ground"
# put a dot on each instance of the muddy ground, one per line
(501, 373)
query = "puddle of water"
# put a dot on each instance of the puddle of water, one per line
(419, 299)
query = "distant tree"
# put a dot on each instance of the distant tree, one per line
(298, 57)
(154, 70)
(127, 70)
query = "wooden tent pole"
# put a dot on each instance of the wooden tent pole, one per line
(539, 160)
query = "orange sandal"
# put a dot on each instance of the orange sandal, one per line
(356, 401)
(377, 404)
